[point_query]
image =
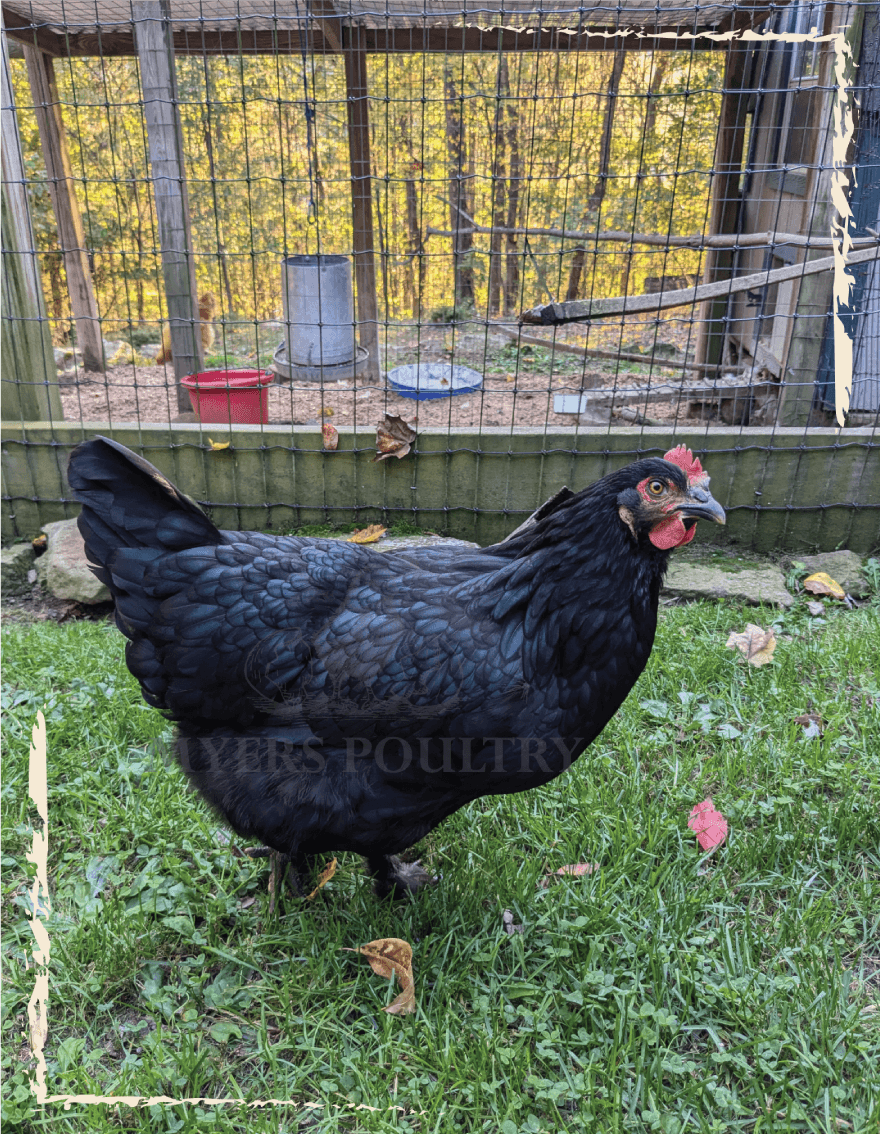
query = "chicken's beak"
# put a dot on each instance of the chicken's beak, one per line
(700, 504)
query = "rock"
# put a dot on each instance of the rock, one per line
(752, 584)
(64, 570)
(409, 543)
(845, 567)
(595, 415)
(17, 565)
(149, 350)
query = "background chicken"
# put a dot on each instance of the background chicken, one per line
(333, 698)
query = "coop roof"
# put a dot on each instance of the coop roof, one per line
(106, 27)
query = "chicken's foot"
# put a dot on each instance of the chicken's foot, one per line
(296, 869)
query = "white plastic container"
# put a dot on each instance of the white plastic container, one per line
(318, 310)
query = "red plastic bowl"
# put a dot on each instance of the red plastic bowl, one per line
(224, 397)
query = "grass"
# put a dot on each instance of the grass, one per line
(665, 992)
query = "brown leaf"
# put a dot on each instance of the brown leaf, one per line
(323, 878)
(509, 927)
(389, 956)
(755, 645)
(331, 436)
(822, 584)
(394, 438)
(368, 535)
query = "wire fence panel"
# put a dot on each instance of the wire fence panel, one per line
(330, 262)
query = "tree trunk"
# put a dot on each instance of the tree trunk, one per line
(511, 266)
(594, 204)
(462, 241)
(502, 92)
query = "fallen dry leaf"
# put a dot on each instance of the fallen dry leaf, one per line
(216, 446)
(709, 825)
(394, 438)
(389, 956)
(331, 436)
(578, 869)
(816, 608)
(328, 411)
(822, 584)
(323, 878)
(755, 645)
(39, 542)
(367, 535)
(509, 927)
(246, 903)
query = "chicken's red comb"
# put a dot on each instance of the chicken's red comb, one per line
(685, 459)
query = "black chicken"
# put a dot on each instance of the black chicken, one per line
(333, 698)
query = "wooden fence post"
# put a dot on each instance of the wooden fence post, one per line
(29, 378)
(71, 235)
(361, 194)
(155, 48)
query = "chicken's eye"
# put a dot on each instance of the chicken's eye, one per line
(656, 487)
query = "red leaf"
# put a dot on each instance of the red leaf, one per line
(709, 825)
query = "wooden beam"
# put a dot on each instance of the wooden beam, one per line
(613, 355)
(583, 310)
(29, 380)
(288, 37)
(725, 199)
(156, 54)
(71, 235)
(733, 241)
(28, 31)
(362, 195)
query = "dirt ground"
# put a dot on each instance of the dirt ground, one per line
(518, 384)
(39, 606)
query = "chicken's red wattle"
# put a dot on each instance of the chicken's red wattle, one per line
(671, 533)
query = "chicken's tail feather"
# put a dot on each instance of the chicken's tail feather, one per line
(127, 503)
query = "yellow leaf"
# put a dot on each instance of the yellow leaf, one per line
(368, 535)
(388, 957)
(216, 446)
(327, 411)
(323, 878)
(823, 584)
(755, 645)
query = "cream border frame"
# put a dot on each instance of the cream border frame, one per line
(38, 1005)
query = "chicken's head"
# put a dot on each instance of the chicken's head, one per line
(669, 498)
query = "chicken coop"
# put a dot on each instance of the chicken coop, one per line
(330, 261)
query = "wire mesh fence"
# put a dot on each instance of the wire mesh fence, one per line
(546, 235)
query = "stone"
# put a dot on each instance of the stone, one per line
(17, 566)
(845, 567)
(409, 543)
(64, 570)
(751, 584)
